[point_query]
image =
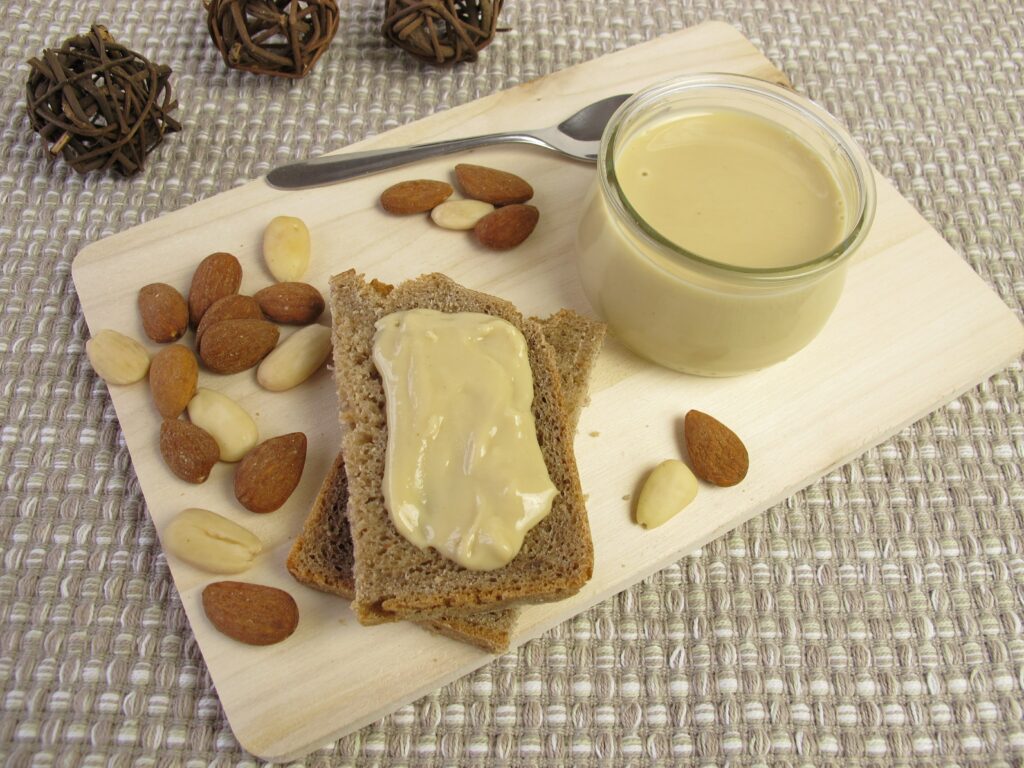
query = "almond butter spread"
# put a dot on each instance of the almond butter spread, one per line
(463, 472)
(734, 188)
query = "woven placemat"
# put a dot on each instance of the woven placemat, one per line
(875, 618)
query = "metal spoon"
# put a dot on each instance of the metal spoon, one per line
(577, 137)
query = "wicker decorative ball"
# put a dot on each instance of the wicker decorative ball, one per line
(283, 38)
(100, 105)
(442, 31)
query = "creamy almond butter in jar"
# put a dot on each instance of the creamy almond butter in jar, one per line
(716, 237)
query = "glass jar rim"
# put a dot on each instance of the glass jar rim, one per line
(779, 97)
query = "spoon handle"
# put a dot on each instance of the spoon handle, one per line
(331, 168)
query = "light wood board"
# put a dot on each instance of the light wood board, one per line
(915, 327)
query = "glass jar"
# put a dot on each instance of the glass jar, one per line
(687, 311)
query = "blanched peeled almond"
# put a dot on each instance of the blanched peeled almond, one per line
(117, 358)
(211, 542)
(295, 359)
(226, 421)
(460, 214)
(668, 489)
(286, 248)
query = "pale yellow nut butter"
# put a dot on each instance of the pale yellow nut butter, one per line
(464, 472)
(733, 188)
(716, 237)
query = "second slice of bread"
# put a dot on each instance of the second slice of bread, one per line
(394, 579)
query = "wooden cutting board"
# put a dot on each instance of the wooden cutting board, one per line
(915, 327)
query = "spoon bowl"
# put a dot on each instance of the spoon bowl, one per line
(588, 124)
(577, 137)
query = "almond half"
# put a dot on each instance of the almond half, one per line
(118, 359)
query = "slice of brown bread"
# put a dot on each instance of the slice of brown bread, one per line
(321, 556)
(577, 342)
(395, 579)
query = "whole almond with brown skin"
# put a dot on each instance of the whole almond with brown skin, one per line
(250, 613)
(291, 303)
(164, 312)
(417, 196)
(506, 227)
(237, 306)
(218, 275)
(269, 473)
(717, 455)
(173, 378)
(231, 346)
(491, 185)
(189, 452)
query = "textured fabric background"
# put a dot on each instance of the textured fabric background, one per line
(875, 618)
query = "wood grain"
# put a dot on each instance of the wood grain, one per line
(915, 327)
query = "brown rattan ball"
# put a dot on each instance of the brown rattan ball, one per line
(100, 105)
(442, 31)
(283, 38)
